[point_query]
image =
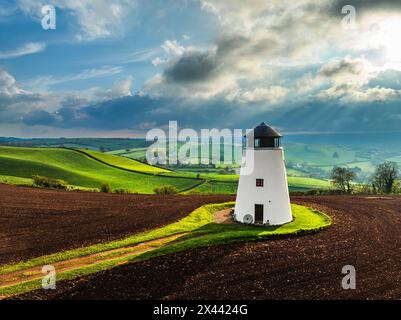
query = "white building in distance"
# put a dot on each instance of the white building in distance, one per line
(262, 195)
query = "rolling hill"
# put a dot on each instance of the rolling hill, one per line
(78, 169)
(213, 182)
(89, 169)
(124, 162)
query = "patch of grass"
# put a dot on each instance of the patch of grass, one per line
(27, 182)
(16, 180)
(198, 229)
(309, 183)
(215, 187)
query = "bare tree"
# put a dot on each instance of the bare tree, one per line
(385, 176)
(342, 178)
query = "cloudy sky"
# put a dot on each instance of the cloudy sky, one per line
(118, 68)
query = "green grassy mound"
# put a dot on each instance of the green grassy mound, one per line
(198, 229)
(80, 170)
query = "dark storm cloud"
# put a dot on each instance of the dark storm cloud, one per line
(114, 114)
(121, 113)
(192, 66)
(7, 100)
(334, 117)
(344, 66)
(13, 108)
(230, 50)
(135, 112)
(130, 113)
(39, 117)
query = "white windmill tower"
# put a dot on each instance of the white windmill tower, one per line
(262, 195)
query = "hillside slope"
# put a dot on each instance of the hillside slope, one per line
(124, 162)
(80, 170)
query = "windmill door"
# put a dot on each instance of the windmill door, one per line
(258, 213)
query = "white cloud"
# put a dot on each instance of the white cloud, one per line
(255, 36)
(270, 95)
(348, 71)
(245, 61)
(18, 104)
(376, 94)
(8, 85)
(95, 19)
(157, 61)
(204, 73)
(122, 88)
(185, 36)
(348, 81)
(26, 49)
(43, 82)
(172, 47)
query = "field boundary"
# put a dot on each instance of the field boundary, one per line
(194, 186)
(153, 165)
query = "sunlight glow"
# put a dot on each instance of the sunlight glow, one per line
(384, 34)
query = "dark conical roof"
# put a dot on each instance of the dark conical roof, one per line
(265, 131)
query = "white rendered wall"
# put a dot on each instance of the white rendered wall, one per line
(268, 164)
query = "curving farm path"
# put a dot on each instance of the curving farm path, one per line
(36, 222)
(366, 234)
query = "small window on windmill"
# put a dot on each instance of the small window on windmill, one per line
(259, 182)
(257, 143)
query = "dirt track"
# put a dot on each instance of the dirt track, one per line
(366, 234)
(35, 222)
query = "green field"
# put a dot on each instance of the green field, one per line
(302, 160)
(86, 169)
(16, 180)
(306, 155)
(307, 183)
(125, 163)
(134, 153)
(215, 187)
(230, 187)
(320, 155)
(80, 170)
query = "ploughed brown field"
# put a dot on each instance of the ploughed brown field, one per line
(35, 222)
(366, 234)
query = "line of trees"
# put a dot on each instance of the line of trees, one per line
(385, 180)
